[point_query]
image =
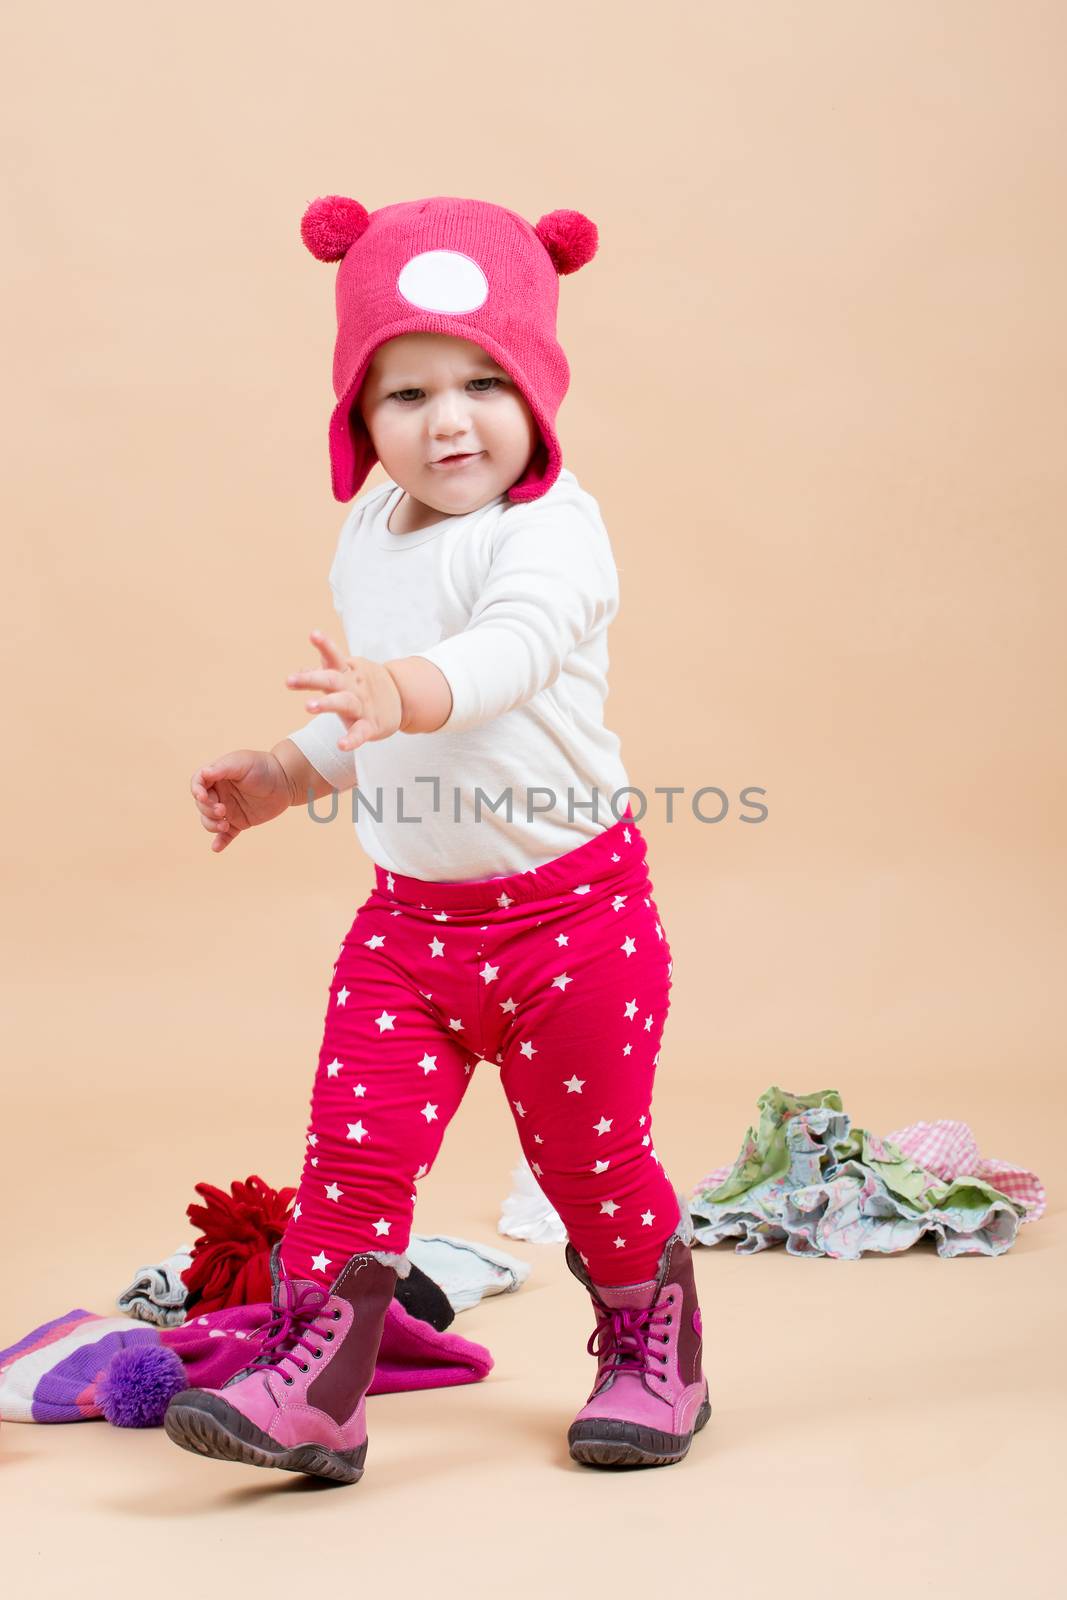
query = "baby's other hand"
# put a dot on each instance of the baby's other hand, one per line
(238, 791)
(363, 693)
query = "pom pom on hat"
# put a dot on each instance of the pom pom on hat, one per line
(331, 225)
(569, 237)
(139, 1384)
(230, 1263)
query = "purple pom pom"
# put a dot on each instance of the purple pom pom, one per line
(139, 1384)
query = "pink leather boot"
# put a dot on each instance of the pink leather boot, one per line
(650, 1394)
(300, 1405)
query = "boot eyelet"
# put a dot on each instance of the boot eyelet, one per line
(337, 1316)
(317, 1354)
(328, 1336)
(289, 1382)
(303, 1366)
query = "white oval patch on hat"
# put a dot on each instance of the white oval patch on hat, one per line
(443, 280)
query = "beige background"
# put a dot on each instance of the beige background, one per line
(818, 391)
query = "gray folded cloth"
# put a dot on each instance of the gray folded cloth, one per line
(157, 1294)
(466, 1269)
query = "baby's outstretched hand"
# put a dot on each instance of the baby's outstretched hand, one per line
(363, 693)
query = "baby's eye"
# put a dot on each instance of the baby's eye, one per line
(485, 380)
(402, 394)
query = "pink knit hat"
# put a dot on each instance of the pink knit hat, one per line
(446, 265)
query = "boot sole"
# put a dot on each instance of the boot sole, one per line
(608, 1442)
(209, 1426)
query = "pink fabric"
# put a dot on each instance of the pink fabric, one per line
(380, 295)
(560, 977)
(412, 1354)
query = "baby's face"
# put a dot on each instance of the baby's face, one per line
(427, 396)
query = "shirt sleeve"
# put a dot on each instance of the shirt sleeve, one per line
(317, 741)
(552, 584)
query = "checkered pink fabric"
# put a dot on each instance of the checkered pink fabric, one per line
(950, 1150)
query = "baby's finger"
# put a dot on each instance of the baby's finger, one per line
(312, 680)
(343, 702)
(326, 647)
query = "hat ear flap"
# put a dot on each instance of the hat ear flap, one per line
(331, 225)
(569, 237)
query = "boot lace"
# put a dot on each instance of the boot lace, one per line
(622, 1337)
(292, 1325)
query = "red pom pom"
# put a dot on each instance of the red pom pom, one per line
(569, 237)
(331, 224)
(231, 1259)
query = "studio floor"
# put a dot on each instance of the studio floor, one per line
(876, 1424)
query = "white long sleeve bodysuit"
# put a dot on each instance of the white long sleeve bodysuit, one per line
(512, 602)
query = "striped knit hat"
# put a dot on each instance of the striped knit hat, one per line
(445, 265)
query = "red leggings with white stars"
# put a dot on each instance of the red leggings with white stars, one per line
(561, 975)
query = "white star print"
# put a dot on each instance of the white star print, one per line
(519, 1107)
(333, 1192)
(647, 1217)
(375, 941)
(619, 1243)
(428, 1063)
(561, 938)
(647, 1139)
(631, 1010)
(573, 1085)
(357, 1131)
(602, 1166)
(626, 1049)
(333, 1067)
(423, 1170)
(603, 1126)
(535, 1168)
(296, 1212)
(389, 881)
(641, 1121)
(583, 888)
(504, 901)
(429, 1112)
(628, 946)
(648, 1022)
(615, 856)
(561, 982)
(455, 1024)
(359, 1090)
(609, 1206)
(440, 916)
(313, 1138)
(527, 1049)
(320, 1262)
(435, 947)
(342, 996)
(381, 1226)
(384, 1021)
(619, 901)
(626, 835)
(489, 973)
(314, 1161)
(538, 1139)
(509, 1005)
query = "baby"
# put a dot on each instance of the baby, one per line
(512, 917)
